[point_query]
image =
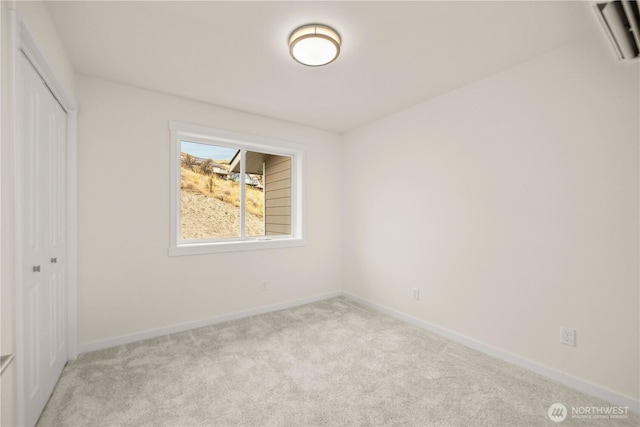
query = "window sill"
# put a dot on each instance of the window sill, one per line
(237, 246)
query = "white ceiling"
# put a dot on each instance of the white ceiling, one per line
(235, 54)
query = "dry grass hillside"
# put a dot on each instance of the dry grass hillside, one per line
(209, 206)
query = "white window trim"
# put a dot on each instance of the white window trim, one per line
(193, 133)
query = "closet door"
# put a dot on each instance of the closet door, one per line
(41, 196)
(56, 243)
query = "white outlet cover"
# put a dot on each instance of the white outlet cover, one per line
(568, 336)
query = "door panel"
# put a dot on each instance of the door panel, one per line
(32, 329)
(56, 245)
(42, 203)
(33, 157)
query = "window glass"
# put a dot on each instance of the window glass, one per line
(277, 195)
(209, 199)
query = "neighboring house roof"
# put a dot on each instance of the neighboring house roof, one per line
(220, 171)
(253, 164)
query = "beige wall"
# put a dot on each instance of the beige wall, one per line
(36, 19)
(277, 195)
(127, 282)
(512, 204)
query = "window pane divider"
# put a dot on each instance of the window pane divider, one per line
(243, 179)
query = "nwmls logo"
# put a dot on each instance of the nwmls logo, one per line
(600, 412)
(557, 412)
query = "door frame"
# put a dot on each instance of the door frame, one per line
(23, 43)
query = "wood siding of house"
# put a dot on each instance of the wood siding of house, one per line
(277, 196)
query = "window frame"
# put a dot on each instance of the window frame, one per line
(245, 142)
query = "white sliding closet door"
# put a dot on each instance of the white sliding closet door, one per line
(41, 146)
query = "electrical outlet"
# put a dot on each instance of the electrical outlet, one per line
(568, 336)
(264, 287)
(415, 294)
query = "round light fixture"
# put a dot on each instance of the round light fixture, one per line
(314, 45)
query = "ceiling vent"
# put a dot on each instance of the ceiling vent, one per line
(621, 22)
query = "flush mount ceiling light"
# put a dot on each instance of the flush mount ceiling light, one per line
(314, 45)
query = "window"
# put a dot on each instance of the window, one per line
(232, 192)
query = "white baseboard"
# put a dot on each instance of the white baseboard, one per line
(575, 383)
(154, 333)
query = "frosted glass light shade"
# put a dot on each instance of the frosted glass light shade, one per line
(314, 45)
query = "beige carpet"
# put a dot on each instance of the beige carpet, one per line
(331, 363)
